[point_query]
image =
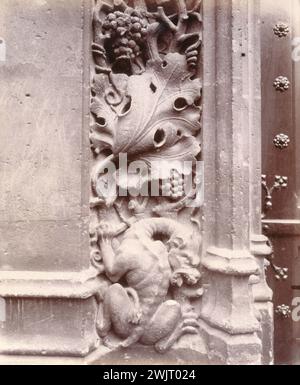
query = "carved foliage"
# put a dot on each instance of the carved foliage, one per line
(146, 103)
(158, 112)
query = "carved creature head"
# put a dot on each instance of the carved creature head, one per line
(184, 258)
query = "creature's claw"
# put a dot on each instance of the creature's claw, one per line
(109, 344)
(161, 348)
(105, 232)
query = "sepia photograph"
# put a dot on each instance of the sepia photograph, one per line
(149, 185)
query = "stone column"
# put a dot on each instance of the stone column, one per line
(231, 131)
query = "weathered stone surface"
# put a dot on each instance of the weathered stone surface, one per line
(41, 147)
(232, 134)
(44, 181)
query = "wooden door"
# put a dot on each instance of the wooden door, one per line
(280, 35)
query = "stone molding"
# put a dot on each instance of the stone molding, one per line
(34, 284)
(230, 262)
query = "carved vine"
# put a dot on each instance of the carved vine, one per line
(146, 105)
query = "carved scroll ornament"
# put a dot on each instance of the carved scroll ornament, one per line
(146, 108)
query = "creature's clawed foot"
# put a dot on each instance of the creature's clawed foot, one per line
(110, 344)
(129, 341)
(161, 347)
(187, 326)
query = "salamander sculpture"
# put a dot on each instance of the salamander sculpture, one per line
(155, 255)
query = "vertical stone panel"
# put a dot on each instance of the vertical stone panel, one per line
(231, 120)
(45, 276)
(41, 148)
(146, 109)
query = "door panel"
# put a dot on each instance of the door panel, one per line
(281, 166)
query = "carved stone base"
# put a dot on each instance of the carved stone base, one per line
(53, 327)
(243, 349)
(228, 302)
(49, 314)
(40, 360)
(229, 323)
(190, 350)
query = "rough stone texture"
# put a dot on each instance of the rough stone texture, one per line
(41, 147)
(44, 183)
(26, 333)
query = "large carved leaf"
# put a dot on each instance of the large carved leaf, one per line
(108, 92)
(164, 110)
(159, 115)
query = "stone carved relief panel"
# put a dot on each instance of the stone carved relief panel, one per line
(145, 136)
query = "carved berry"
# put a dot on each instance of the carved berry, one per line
(111, 17)
(132, 43)
(127, 31)
(121, 22)
(114, 24)
(136, 27)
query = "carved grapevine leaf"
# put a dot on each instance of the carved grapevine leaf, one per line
(163, 110)
(107, 100)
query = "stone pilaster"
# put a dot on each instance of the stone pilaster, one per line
(231, 98)
(260, 248)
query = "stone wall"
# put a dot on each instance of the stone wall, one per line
(44, 183)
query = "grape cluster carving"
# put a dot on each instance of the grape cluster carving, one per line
(174, 186)
(127, 32)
